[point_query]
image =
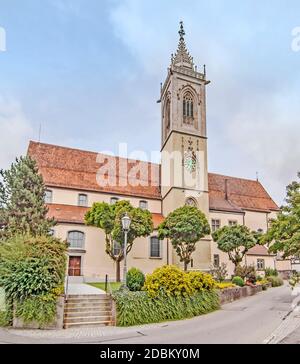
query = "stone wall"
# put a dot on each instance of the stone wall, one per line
(232, 294)
(58, 324)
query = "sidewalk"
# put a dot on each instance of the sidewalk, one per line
(289, 330)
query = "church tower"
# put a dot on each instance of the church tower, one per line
(184, 172)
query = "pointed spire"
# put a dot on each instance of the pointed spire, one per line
(182, 57)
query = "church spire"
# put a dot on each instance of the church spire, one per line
(182, 57)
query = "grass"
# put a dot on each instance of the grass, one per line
(114, 285)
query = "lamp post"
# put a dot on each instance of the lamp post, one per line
(126, 221)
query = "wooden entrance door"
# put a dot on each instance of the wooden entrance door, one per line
(75, 266)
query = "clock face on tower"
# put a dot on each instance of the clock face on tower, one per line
(190, 161)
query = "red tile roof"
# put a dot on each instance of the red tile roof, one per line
(77, 169)
(75, 214)
(259, 250)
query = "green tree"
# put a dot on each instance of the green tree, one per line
(284, 233)
(22, 206)
(108, 218)
(184, 227)
(235, 241)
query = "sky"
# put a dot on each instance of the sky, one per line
(89, 72)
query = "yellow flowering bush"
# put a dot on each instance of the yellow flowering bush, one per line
(200, 280)
(176, 282)
(224, 285)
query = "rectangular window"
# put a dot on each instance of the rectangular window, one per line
(82, 200)
(260, 264)
(143, 205)
(232, 223)
(155, 247)
(216, 260)
(215, 225)
(48, 196)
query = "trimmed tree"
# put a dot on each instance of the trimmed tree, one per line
(184, 227)
(284, 233)
(235, 241)
(108, 218)
(22, 205)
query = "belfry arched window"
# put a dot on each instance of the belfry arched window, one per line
(188, 106)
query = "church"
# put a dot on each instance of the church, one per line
(75, 179)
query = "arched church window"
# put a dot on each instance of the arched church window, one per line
(188, 108)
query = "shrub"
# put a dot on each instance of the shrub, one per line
(238, 281)
(259, 278)
(275, 281)
(200, 281)
(219, 272)
(171, 280)
(31, 266)
(271, 272)
(135, 279)
(246, 272)
(176, 282)
(32, 271)
(294, 280)
(224, 285)
(41, 309)
(136, 308)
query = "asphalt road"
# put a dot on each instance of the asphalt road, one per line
(249, 320)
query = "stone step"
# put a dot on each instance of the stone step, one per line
(94, 318)
(87, 324)
(85, 306)
(87, 296)
(87, 313)
(94, 300)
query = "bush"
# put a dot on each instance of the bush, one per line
(259, 278)
(238, 281)
(170, 279)
(275, 281)
(32, 271)
(173, 281)
(219, 272)
(246, 272)
(31, 266)
(224, 285)
(41, 309)
(135, 279)
(271, 272)
(200, 281)
(137, 308)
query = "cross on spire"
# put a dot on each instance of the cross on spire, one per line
(181, 31)
(182, 57)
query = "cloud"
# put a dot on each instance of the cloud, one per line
(15, 131)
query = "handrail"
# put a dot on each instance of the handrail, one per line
(67, 287)
(107, 285)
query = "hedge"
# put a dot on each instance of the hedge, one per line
(137, 308)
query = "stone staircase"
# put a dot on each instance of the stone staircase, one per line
(88, 310)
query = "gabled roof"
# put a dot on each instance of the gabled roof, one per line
(77, 169)
(259, 250)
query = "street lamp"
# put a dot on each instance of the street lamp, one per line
(126, 221)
